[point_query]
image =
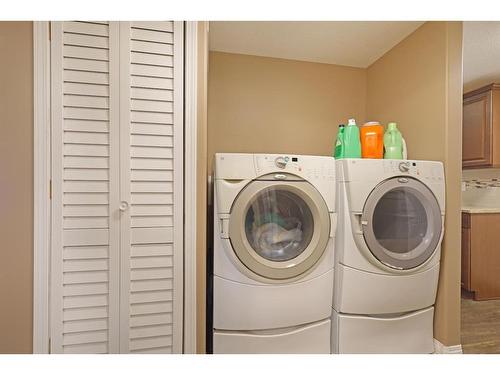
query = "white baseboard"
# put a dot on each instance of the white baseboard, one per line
(440, 348)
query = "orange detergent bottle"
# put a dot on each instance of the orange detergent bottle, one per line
(372, 140)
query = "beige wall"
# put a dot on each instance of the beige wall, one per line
(418, 83)
(16, 184)
(261, 104)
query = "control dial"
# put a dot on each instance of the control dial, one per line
(281, 162)
(404, 166)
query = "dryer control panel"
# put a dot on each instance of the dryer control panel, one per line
(419, 169)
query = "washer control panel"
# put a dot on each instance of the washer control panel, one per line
(309, 167)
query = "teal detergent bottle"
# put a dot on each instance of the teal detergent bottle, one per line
(393, 142)
(339, 149)
(352, 143)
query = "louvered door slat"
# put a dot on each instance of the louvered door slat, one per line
(86, 325)
(151, 35)
(86, 28)
(151, 71)
(73, 315)
(164, 26)
(151, 320)
(151, 59)
(79, 88)
(151, 94)
(97, 78)
(92, 348)
(83, 40)
(151, 47)
(86, 162)
(88, 53)
(152, 106)
(84, 101)
(78, 290)
(85, 65)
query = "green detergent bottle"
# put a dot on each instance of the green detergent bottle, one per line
(393, 142)
(339, 150)
(352, 144)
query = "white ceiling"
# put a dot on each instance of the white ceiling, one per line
(481, 54)
(356, 43)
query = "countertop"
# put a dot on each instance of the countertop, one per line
(481, 210)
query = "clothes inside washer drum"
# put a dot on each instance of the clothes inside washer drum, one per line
(278, 225)
(272, 238)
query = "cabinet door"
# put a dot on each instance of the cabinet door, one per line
(466, 258)
(477, 130)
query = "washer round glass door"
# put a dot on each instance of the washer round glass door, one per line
(402, 223)
(279, 229)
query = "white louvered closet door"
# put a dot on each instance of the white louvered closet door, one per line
(151, 177)
(117, 172)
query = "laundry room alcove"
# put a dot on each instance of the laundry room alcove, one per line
(266, 97)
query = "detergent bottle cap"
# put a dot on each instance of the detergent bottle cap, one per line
(392, 126)
(352, 122)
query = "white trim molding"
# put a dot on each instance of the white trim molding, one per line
(41, 186)
(178, 286)
(190, 162)
(440, 348)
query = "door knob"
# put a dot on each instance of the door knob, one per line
(123, 206)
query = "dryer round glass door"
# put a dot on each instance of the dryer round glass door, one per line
(279, 229)
(402, 223)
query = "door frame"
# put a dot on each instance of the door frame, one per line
(42, 186)
(190, 181)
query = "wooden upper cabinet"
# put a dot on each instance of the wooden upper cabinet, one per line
(481, 127)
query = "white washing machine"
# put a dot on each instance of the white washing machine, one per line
(273, 253)
(388, 246)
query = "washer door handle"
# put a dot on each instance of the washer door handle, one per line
(224, 227)
(360, 223)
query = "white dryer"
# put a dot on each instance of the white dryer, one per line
(391, 223)
(274, 225)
